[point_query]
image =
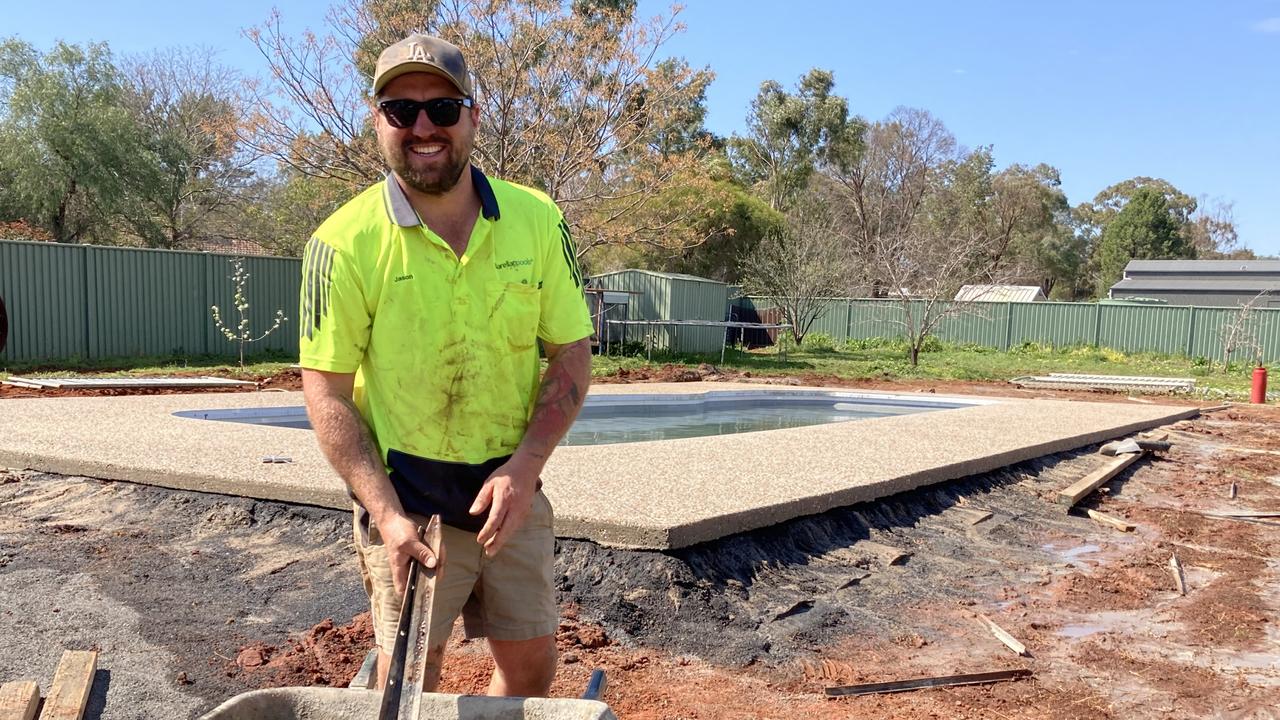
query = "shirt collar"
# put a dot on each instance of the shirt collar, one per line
(403, 214)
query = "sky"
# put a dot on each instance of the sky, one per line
(1184, 90)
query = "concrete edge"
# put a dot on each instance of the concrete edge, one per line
(682, 536)
(166, 478)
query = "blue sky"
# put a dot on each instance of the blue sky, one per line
(1184, 90)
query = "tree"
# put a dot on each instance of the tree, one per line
(1207, 225)
(799, 266)
(1145, 229)
(791, 134)
(927, 218)
(191, 115)
(71, 149)
(241, 334)
(885, 187)
(574, 103)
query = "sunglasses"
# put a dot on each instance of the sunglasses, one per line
(442, 112)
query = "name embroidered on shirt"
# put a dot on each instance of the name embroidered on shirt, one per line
(404, 277)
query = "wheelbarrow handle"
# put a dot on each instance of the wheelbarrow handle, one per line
(390, 707)
(596, 685)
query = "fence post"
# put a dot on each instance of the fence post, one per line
(848, 319)
(89, 304)
(1097, 325)
(1191, 328)
(1008, 326)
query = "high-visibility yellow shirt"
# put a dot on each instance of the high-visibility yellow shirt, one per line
(444, 347)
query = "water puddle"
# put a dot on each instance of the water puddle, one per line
(1070, 554)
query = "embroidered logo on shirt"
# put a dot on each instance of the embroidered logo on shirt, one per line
(400, 278)
(513, 264)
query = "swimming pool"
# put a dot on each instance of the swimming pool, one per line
(609, 419)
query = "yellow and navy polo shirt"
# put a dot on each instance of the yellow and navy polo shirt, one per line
(444, 347)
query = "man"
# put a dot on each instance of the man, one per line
(422, 302)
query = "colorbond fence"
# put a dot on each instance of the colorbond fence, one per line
(67, 302)
(86, 302)
(1179, 330)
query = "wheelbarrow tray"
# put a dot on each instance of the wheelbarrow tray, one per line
(323, 703)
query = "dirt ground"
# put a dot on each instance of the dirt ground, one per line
(192, 598)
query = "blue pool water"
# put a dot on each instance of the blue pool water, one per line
(636, 418)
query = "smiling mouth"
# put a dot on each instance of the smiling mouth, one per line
(426, 150)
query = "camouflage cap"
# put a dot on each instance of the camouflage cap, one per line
(422, 53)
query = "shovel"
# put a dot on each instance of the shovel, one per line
(402, 697)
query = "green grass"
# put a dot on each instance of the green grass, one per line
(888, 361)
(258, 365)
(871, 359)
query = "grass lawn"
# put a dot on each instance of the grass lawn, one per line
(883, 360)
(889, 361)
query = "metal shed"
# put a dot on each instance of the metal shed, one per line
(1000, 293)
(1203, 283)
(672, 296)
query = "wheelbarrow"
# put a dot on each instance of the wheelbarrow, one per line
(403, 697)
(323, 703)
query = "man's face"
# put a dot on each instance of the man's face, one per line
(428, 158)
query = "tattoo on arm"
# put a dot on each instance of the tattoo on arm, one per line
(560, 398)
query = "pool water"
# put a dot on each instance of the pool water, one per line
(607, 419)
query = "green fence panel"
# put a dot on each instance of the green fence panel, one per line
(979, 324)
(68, 302)
(1054, 324)
(1176, 330)
(43, 286)
(144, 302)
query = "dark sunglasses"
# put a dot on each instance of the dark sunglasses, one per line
(442, 112)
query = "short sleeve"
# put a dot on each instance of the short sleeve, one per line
(335, 322)
(564, 317)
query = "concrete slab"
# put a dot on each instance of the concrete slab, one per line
(652, 495)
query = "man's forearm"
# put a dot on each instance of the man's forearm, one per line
(560, 397)
(346, 442)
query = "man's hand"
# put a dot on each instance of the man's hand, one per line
(508, 493)
(401, 540)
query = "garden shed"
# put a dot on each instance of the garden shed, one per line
(663, 296)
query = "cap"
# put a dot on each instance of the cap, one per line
(422, 53)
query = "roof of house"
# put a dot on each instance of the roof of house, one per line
(1000, 293)
(668, 275)
(1203, 266)
(1180, 284)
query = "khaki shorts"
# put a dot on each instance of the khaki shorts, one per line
(507, 597)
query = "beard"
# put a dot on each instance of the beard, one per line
(436, 179)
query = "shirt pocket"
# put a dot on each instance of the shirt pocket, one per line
(514, 310)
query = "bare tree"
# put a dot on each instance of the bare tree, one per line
(801, 266)
(191, 112)
(574, 102)
(928, 218)
(1240, 333)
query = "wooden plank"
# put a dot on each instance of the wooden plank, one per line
(1109, 520)
(1178, 578)
(1246, 514)
(19, 700)
(1087, 484)
(71, 684)
(1003, 635)
(1156, 435)
(1215, 408)
(929, 682)
(1231, 494)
